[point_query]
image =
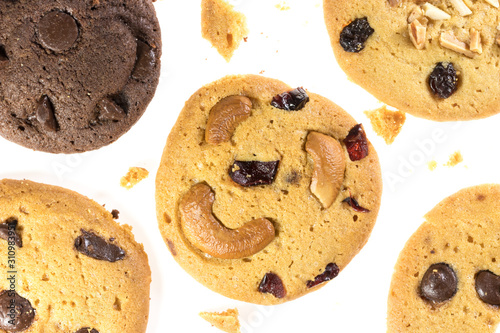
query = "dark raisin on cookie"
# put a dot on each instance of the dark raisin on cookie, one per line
(96, 247)
(253, 173)
(354, 36)
(488, 287)
(87, 330)
(443, 80)
(8, 231)
(439, 283)
(331, 271)
(24, 312)
(272, 284)
(293, 100)
(355, 205)
(356, 143)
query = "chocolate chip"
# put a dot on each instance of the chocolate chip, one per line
(115, 213)
(171, 247)
(439, 283)
(293, 100)
(331, 271)
(45, 114)
(109, 110)
(356, 143)
(96, 247)
(488, 287)
(9, 233)
(16, 312)
(272, 284)
(87, 330)
(4, 59)
(57, 31)
(146, 61)
(355, 205)
(253, 173)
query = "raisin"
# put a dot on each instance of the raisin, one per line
(293, 100)
(356, 143)
(96, 247)
(354, 35)
(443, 80)
(355, 205)
(439, 283)
(253, 173)
(87, 330)
(272, 284)
(331, 271)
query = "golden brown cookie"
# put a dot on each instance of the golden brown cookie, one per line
(265, 192)
(70, 267)
(432, 59)
(447, 276)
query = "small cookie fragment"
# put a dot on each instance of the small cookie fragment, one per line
(226, 321)
(386, 123)
(432, 165)
(455, 159)
(133, 177)
(222, 26)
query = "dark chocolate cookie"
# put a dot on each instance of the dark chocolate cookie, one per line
(75, 74)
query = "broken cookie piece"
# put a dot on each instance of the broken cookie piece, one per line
(386, 123)
(133, 177)
(226, 321)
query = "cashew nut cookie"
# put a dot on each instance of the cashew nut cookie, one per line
(67, 265)
(434, 59)
(264, 192)
(447, 278)
(75, 74)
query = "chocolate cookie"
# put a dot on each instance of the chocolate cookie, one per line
(75, 74)
(447, 278)
(432, 59)
(265, 192)
(68, 266)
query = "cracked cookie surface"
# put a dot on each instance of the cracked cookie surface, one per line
(77, 269)
(75, 75)
(409, 40)
(278, 229)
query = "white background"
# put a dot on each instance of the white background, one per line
(293, 46)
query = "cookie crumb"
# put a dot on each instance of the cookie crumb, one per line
(226, 321)
(133, 176)
(222, 26)
(282, 6)
(115, 213)
(386, 123)
(432, 165)
(455, 158)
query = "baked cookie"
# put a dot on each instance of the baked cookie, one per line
(447, 276)
(264, 192)
(70, 268)
(432, 59)
(75, 74)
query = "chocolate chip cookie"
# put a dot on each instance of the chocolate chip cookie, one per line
(68, 266)
(265, 192)
(447, 278)
(433, 59)
(75, 74)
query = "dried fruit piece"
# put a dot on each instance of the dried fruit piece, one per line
(146, 61)
(226, 321)
(87, 330)
(448, 40)
(272, 284)
(293, 100)
(109, 110)
(206, 233)
(443, 80)
(488, 287)
(331, 271)
(329, 167)
(225, 116)
(9, 233)
(354, 36)
(355, 205)
(439, 283)
(434, 13)
(45, 114)
(356, 143)
(96, 247)
(253, 173)
(12, 302)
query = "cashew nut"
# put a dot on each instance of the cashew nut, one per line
(228, 113)
(206, 233)
(329, 167)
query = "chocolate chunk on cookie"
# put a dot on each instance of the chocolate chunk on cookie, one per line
(447, 276)
(78, 271)
(255, 196)
(75, 75)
